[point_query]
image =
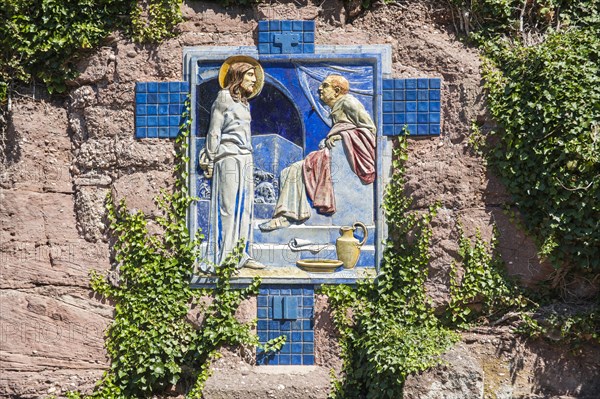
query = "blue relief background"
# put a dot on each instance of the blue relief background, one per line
(288, 122)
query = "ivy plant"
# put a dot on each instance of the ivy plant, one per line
(387, 327)
(151, 342)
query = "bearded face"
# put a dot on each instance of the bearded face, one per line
(249, 82)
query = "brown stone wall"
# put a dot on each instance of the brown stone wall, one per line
(62, 156)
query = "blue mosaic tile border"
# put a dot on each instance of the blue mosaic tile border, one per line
(286, 37)
(415, 103)
(299, 348)
(158, 108)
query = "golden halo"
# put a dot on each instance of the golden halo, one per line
(260, 73)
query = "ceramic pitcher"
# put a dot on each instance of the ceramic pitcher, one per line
(348, 247)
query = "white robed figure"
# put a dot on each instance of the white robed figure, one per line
(228, 161)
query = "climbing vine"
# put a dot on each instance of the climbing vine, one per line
(41, 40)
(151, 342)
(542, 74)
(387, 327)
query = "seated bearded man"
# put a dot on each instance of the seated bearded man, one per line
(311, 177)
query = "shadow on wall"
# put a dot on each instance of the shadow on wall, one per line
(557, 371)
(519, 251)
(11, 150)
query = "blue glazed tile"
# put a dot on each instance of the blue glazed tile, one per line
(291, 310)
(263, 25)
(411, 106)
(423, 130)
(152, 121)
(308, 291)
(174, 87)
(270, 308)
(422, 95)
(399, 130)
(175, 109)
(286, 25)
(388, 95)
(297, 26)
(152, 98)
(262, 313)
(296, 291)
(183, 97)
(388, 84)
(434, 106)
(286, 291)
(273, 360)
(307, 325)
(163, 132)
(141, 98)
(163, 87)
(411, 95)
(263, 37)
(308, 336)
(308, 25)
(434, 117)
(284, 360)
(308, 301)
(163, 98)
(274, 325)
(411, 117)
(152, 109)
(274, 334)
(435, 83)
(263, 291)
(410, 83)
(399, 83)
(163, 109)
(140, 132)
(263, 336)
(296, 336)
(309, 37)
(152, 87)
(388, 130)
(286, 348)
(434, 129)
(274, 25)
(423, 106)
(274, 49)
(423, 83)
(388, 106)
(163, 121)
(434, 95)
(174, 121)
(274, 291)
(307, 313)
(174, 98)
(296, 348)
(308, 348)
(140, 109)
(422, 118)
(262, 301)
(399, 95)
(296, 325)
(261, 360)
(152, 132)
(286, 326)
(400, 119)
(399, 106)
(388, 118)
(264, 48)
(296, 360)
(412, 129)
(308, 360)
(308, 48)
(184, 87)
(141, 87)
